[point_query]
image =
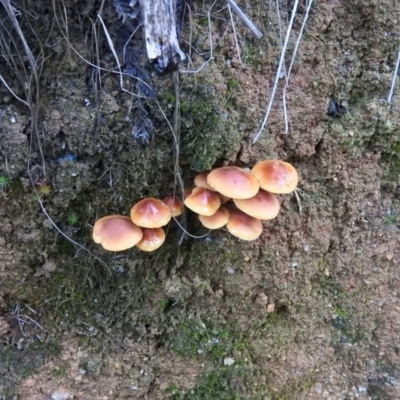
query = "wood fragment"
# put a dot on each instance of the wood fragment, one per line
(160, 34)
(245, 19)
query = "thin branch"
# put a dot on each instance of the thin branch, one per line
(13, 93)
(211, 44)
(394, 79)
(234, 34)
(299, 38)
(282, 59)
(292, 62)
(245, 19)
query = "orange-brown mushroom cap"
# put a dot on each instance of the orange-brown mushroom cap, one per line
(276, 176)
(203, 201)
(233, 182)
(243, 226)
(116, 233)
(150, 213)
(175, 205)
(201, 181)
(263, 205)
(152, 239)
(217, 220)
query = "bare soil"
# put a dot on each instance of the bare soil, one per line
(310, 310)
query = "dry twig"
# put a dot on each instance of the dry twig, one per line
(245, 19)
(396, 70)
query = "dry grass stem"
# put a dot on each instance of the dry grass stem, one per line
(281, 61)
(297, 44)
(396, 70)
(211, 58)
(234, 34)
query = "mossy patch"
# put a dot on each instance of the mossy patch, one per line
(207, 132)
(197, 339)
(17, 363)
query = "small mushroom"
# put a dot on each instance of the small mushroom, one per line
(276, 176)
(233, 182)
(203, 201)
(217, 220)
(263, 205)
(116, 233)
(243, 226)
(152, 239)
(201, 181)
(175, 205)
(150, 213)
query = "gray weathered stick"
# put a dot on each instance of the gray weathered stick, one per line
(160, 36)
(245, 19)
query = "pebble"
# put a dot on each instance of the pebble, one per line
(228, 361)
(60, 395)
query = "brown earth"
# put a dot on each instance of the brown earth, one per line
(310, 310)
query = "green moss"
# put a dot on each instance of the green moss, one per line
(194, 339)
(16, 364)
(17, 189)
(58, 372)
(232, 84)
(166, 97)
(5, 182)
(252, 55)
(391, 219)
(163, 303)
(272, 320)
(72, 218)
(204, 21)
(215, 386)
(205, 137)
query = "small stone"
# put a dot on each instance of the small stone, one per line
(228, 361)
(271, 307)
(262, 299)
(4, 327)
(48, 224)
(60, 395)
(30, 383)
(48, 266)
(55, 114)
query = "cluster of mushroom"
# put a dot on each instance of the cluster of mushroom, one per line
(252, 193)
(227, 196)
(143, 229)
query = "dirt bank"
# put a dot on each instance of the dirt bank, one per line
(308, 311)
